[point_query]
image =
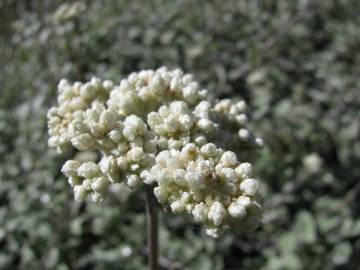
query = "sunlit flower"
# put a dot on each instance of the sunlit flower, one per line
(159, 127)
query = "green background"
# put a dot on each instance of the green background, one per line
(296, 63)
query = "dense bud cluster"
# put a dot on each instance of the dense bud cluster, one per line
(159, 127)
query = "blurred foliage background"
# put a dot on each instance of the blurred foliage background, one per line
(295, 62)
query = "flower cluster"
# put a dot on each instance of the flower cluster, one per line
(159, 127)
(209, 183)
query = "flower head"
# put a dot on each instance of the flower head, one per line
(159, 127)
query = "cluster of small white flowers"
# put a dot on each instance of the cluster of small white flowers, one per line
(76, 102)
(159, 127)
(209, 183)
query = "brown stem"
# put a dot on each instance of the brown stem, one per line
(152, 228)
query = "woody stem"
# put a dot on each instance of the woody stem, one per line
(152, 228)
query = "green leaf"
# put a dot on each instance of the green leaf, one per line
(305, 227)
(341, 253)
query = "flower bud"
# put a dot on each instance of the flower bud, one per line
(133, 181)
(244, 170)
(228, 159)
(88, 170)
(70, 168)
(200, 212)
(83, 142)
(237, 210)
(100, 184)
(217, 213)
(250, 186)
(80, 193)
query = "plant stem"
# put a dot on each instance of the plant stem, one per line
(152, 228)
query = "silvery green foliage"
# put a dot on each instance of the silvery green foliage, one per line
(161, 127)
(294, 62)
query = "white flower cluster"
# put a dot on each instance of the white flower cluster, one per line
(159, 127)
(209, 183)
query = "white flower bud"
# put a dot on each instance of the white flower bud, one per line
(250, 186)
(162, 143)
(83, 142)
(107, 163)
(79, 127)
(62, 84)
(179, 107)
(70, 168)
(89, 170)
(162, 158)
(122, 163)
(190, 94)
(179, 177)
(245, 201)
(203, 106)
(161, 194)
(175, 144)
(186, 122)
(133, 181)
(147, 177)
(100, 185)
(97, 130)
(217, 213)
(205, 125)
(78, 104)
(53, 141)
(107, 120)
(244, 170)
(241, 119)
(164, 111)
(88, 91)
(200, 139)
(259, 142)
(177, 206)
(195, 180)
(174, 84)
(241, 106)
(154, 119)
(87, 184)
(108, 84)
(108, 166)
(244, 134)
(228, 159)
(188, 152)
(200, 212)
(95, 82)
(237, 210)
(157, 84)
(133, 126)
(115, 135)
(136, 154)
(229, 174)
(80, 193)
(209, 150)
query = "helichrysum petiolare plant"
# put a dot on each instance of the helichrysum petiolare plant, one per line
(160, 128)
